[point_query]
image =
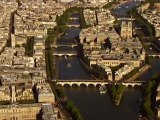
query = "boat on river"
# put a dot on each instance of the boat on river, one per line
(68, 65)
(65, 57)
(102, 89)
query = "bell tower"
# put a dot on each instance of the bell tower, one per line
(13, 94)
(126, 29)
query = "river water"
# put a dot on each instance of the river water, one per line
(93, 105)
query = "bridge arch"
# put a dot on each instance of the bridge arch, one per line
(153, 56)
(98, 85)
(75, 85)
(137, 86)
(60, 85)
(83, 85)
(157, 56)
(90, 85)
(130, 86)
(67, 85)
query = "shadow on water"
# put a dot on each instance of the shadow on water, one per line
(71, 68)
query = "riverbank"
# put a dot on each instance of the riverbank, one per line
(111, 5)
(53, 35)
(88, 69)
(147, 28)
(140, 72)
(149, 98)
(67, 106)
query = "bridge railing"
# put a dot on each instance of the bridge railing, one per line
(100, 81)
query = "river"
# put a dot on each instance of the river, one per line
(93, 105)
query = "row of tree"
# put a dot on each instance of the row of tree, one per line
(52, 36)
(145, 25)
(73, 111)
(117, 92)
(149, 98)
(29, 46)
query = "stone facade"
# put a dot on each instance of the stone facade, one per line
(119, 74)
(45, 93)
(19, 112)
(126, 30)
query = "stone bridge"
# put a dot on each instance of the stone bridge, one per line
(125, 18)
(73, 18)
(69, 45)
(154, 55)
(70, 53)
(73, 25)
(97, 82)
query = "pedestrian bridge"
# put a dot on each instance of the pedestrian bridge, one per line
(97, 82)
(69, 45)
(69, 53)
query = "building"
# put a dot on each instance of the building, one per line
(20, 111)
(45, 94)
(14, 94)
(144, 7)
(19, 39)
(152, 16)
(104, 17)
(126, 29)
(120, 73)
(5, 93)
(89, 17)
(48, 112)
(104, 47)
(34, 18)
